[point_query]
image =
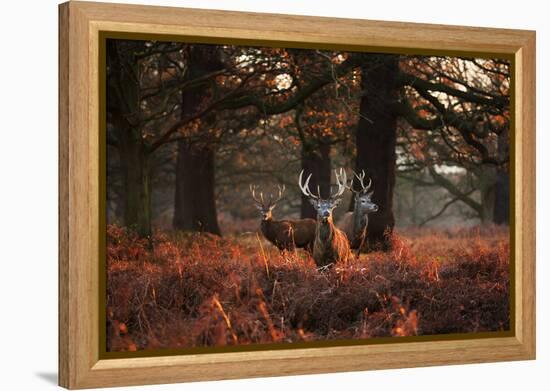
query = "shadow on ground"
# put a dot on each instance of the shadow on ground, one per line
(49, 377)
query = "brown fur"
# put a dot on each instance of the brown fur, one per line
(290, 234)
(355, 229)
(331, 244)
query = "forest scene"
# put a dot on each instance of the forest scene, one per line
(260, 195)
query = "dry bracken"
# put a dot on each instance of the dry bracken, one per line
(202, 290)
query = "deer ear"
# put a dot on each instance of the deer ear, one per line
(272, 207)
(337, 202)
(313, 202)
(370, 193)
(259, 207)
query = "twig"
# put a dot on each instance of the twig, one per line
(225, 317)
(263, 255)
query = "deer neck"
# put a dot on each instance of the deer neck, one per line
(325, 230)
(266, 226)
(360, 219)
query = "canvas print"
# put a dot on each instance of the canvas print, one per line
(269, 195)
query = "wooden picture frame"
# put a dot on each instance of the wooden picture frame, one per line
(80, 165)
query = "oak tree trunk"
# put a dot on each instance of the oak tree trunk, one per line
(502, 198)
(122, 106)
(488, 200)
(501, 213)
(137, 193)
(376, 141)
(195, 200)
(315, 161)
(195, 204)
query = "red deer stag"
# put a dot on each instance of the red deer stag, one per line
(355, 223)
(285, 234)
(331, 244)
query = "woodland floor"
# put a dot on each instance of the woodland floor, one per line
(201, 290)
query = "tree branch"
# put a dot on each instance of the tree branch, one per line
(449, 118)
(405, 79)
(300, 96)
(233, 100)
(453, 190)
(443, 209)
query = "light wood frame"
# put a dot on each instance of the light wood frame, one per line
(80, 365)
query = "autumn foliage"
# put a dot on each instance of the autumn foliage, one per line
(197, 290)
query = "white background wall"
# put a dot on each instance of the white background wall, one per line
(28, 196)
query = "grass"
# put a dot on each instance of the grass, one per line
(184, 291)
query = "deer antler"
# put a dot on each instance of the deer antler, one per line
(341, 180)
(258, 201)
(361, 179)
(261, 200)
(279, 196)
(305, 187)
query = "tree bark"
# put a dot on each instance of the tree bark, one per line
(502, 186)
(487, 204)
(376, 142)
(123, 104)
(495, 195)
(195, 200)
(316, 162)
(137, 194)
(195, 204)
(502, 198)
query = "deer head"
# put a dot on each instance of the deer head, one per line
(324, 206)
(264, 207)
(363, 202)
